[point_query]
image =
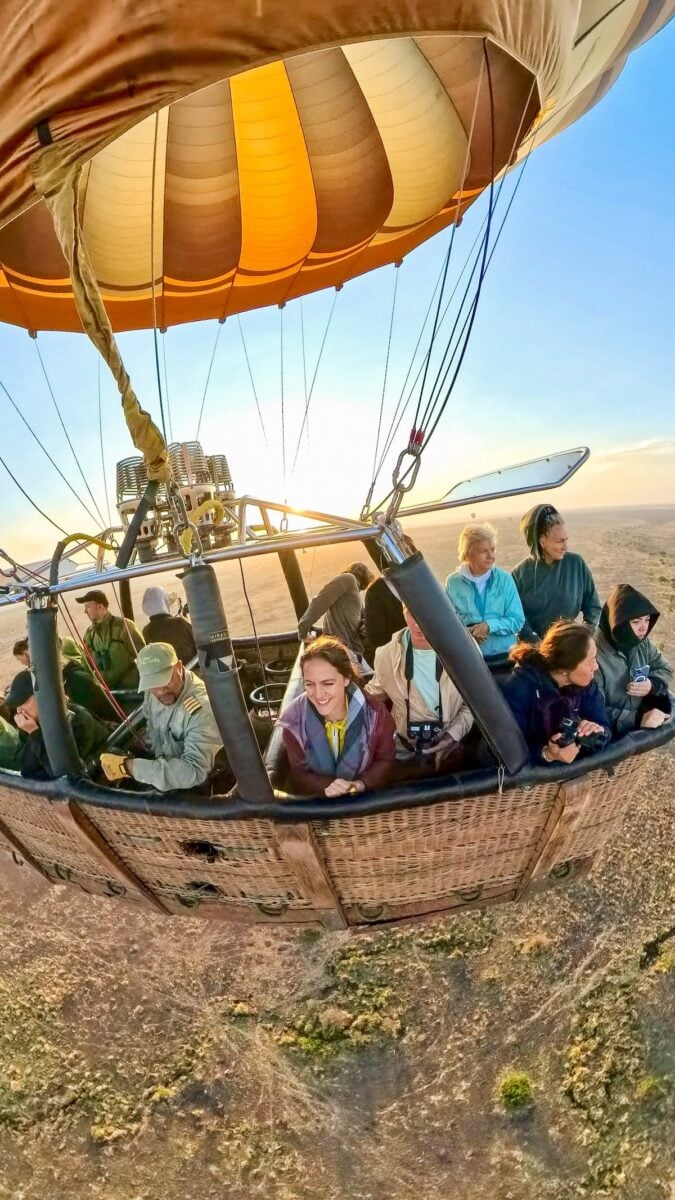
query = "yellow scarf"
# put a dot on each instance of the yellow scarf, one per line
(335, 732)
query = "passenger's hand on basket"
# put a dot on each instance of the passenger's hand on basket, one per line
(345, 787)
(653, 719)
(563, 754)
(114, 767)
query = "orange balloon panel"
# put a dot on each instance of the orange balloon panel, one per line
(240, 155)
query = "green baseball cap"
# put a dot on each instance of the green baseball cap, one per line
(155, 665)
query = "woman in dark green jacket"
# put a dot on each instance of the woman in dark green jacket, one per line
(553, 583)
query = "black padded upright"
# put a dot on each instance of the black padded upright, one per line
(421, 592)
(220, 674)
(296, 584)
(145, 503)
(62, 752)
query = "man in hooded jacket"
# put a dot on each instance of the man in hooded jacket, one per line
(553, 583)
(632, 673)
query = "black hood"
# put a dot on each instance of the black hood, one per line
(531, 526)
(623, 605)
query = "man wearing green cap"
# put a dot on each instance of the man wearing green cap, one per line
(112, 641)
(181, 728)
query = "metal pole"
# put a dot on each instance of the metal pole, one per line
(421, 592)
(62, 752)
(221, 676)
(296, 584)
(288, 541)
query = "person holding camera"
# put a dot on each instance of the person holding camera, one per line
(430, 714)
(553, 696)
(632, 673)
(338, 741)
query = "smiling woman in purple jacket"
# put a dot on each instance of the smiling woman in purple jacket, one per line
(554, 699)
(338, 740)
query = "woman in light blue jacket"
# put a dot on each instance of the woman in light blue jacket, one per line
(485, 597)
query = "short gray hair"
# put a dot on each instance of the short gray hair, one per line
(472, 534)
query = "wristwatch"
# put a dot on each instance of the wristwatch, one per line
(546, 755)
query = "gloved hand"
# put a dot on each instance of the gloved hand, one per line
(113, 766)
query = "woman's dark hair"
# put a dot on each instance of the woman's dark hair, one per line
(20, 647)
(332, 651)
(562, 648)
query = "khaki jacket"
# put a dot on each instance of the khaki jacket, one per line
(183, 737)
(389, 680)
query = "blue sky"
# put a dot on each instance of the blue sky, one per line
(573, 344)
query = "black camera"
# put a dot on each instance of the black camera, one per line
(569, 732)
(422, 735)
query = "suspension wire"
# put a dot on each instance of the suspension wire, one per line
(472, 310)
(253, 627)
(45, 451)
(442, 368)
(441, 404)
(395, 424)
(31, 501)
(100, 438)
(160, 391)
(397, 417)
(451, 345)
(166, 385)
(304, 356)
(386, 366)
(208, 377)
(283, 407)
(391, 435)
(465, 171)
(250, 375)
(395, 428)
(50, 389)
(316, 372)
(304, 366)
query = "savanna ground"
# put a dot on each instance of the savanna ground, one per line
(147, 1058)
